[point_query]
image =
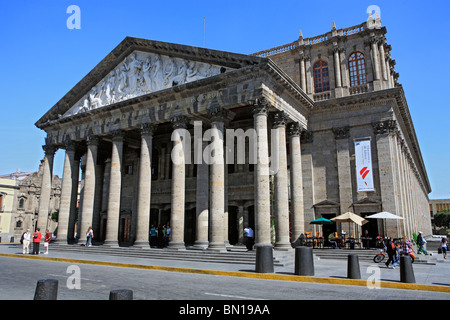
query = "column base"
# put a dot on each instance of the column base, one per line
(176, 246)
(285, 246)
(217, 246)
(142, 244)
(111, 243)
(201, 244)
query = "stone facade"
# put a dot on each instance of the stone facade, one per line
(138, 171)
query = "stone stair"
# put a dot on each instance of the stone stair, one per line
(235, 255)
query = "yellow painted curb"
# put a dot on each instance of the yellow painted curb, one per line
(266, 276)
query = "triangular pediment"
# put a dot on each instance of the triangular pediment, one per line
(141, 73)
(138, 67)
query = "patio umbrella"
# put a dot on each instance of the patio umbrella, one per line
(350, 217)
(384, 215)
(321, 220)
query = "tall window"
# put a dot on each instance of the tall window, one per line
(321, 77)
(357, 69)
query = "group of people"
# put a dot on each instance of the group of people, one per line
(36, 238)
(394, 250)
(159, 236)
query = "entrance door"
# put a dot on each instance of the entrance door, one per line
(371, 226)
(328, 228)
(125, 224)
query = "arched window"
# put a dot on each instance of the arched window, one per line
(357, 69)
(321, 77)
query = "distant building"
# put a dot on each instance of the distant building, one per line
(19, 202)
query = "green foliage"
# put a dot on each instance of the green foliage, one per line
(442, 219)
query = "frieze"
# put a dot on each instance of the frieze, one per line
(142, 73)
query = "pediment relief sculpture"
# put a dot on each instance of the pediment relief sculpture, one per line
(141, 73)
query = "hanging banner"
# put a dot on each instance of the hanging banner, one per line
(363, 159)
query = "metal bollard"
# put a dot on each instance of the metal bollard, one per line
(353, 271)
(304, 263)
(46, 289)
(406, 270)
(264, 259)
(121, 294)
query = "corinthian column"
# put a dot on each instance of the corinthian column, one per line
(115, 186)
(297, 211)
(217, 180)
(87, 209)
(178, 183)
(145, 178)
(46, 186)
(66, 193)
(202, 196)
(281, 182)
(262, 176)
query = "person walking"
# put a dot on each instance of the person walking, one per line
(89, 237)
(421, 243)
(248, 235)
(444, 247)
(406, 246)
(47, 238)
(26, 242)
(36, 240)
(390, 250)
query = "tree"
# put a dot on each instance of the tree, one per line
(442, 219)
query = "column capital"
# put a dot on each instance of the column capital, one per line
(179, 122)
(279, 119)
(294, 129)
(306, 136)
(217, 113)
(260, 106)
(49, 149)
(148, 128)
(342, 132)
(117, 135)
(92, 140)
(386, 126)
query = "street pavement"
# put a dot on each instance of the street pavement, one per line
(219, 280)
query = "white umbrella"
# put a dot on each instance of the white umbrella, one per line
(384, 215)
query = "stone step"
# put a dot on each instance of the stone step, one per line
(233, 255)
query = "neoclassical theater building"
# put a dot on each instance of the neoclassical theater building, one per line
(209, 142)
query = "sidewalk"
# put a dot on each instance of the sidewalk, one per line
(434, 276)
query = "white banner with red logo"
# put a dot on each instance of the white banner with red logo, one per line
(363, 159)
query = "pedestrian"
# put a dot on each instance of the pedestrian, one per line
(421, 244)
(168, 231)
(406, 246)
(47, 238)
(396, 255)
(26, 238)
(36, 240)
(160, 236)
(390, 250)
(248, 235)
(444, 247)
(89, 237)
(153, 237)
(367, 239)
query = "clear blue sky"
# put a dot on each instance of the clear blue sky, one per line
(41, 59)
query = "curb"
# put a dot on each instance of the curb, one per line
(265, 276)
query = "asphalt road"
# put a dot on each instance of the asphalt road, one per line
(18, 278)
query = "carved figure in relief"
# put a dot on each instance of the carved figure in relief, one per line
(133, 69)
(122, 76)
(146, 69)
(156, 73)
(180, 78)
(168, 72)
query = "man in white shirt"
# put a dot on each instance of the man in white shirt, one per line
(26, 242)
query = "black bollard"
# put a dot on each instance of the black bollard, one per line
(46, 289)
(406, 270)
(264, 259)
(353, 271)
(304, 263)
(121, 294)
